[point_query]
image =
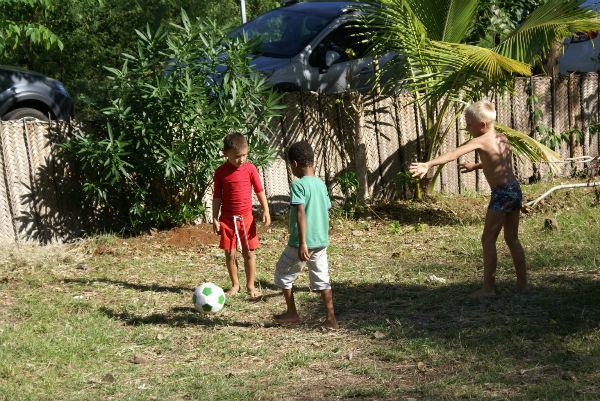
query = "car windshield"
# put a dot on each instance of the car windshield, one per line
(283, 33)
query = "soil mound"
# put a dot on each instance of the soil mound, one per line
(191, 236)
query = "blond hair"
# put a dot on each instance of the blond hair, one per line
(482, 110)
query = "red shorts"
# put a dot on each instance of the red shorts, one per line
(228, 239)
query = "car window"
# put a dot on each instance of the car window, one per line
(347, 40)
(284, 34)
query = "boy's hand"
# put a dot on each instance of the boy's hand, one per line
(418, 169)
(266, 219)
(216, 227)
(303, 253)
(467, 167)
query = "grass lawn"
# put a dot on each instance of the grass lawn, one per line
(111, 318)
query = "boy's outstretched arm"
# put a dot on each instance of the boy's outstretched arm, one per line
(301, 220)
(420, 169)
(266, 216)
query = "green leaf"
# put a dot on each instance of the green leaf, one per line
(528, 148)
(552, 21)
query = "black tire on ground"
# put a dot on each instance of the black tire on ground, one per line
(25, 113)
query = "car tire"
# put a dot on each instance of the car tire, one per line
(283, 87)
(25, 113)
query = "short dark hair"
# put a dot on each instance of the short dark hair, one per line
(302, 153)
(234, 141)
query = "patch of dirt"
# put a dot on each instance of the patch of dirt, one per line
(103, 249)
(189, 236)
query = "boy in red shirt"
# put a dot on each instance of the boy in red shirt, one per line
(232, 197)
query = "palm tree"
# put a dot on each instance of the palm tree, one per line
(445, 74)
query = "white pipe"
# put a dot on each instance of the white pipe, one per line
(243, 7)
(534, 202)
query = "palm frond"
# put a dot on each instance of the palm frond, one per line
(551, 21)
(525, 147)
(391, 26)
(446, 20)
(486, 61)
(467, 60)
(460, 15)
(452, 69)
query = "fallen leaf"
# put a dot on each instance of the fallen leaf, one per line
(378, 335)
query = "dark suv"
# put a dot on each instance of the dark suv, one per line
(31, 96)
(313, 46)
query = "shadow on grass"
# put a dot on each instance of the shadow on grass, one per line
(432, 212)
(561, 307)
(133, 286)
(177, 317)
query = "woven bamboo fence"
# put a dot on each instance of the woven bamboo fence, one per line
(394, 136)
(37, 190)
(39, 194)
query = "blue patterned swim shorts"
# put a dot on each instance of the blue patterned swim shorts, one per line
(506, 197)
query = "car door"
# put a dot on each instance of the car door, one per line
(347, 41)
(581, 53)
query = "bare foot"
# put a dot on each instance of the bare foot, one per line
(286, 318)
(330, 325)
(254, 293)
(482, 293)
(523, 289)
(233, 291)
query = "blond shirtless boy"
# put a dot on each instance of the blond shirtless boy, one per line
(503, 211)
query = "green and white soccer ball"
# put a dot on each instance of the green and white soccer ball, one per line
(209, 297)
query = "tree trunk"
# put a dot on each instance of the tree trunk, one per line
(551, 62)
(427, 184)
(360, 146)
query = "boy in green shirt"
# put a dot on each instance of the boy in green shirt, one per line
(309, 236)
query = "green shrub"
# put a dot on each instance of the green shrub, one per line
(348, 182)
(172, 103)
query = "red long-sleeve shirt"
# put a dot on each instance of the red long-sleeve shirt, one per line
(234, 186)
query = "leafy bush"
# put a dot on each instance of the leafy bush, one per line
(395, 227)
(95, 33)
(17, 25)
(172, 103)
(348, 182)
(406, 180)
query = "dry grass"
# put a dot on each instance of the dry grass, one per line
(111, 318)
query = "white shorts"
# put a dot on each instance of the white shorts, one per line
(289, 267)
